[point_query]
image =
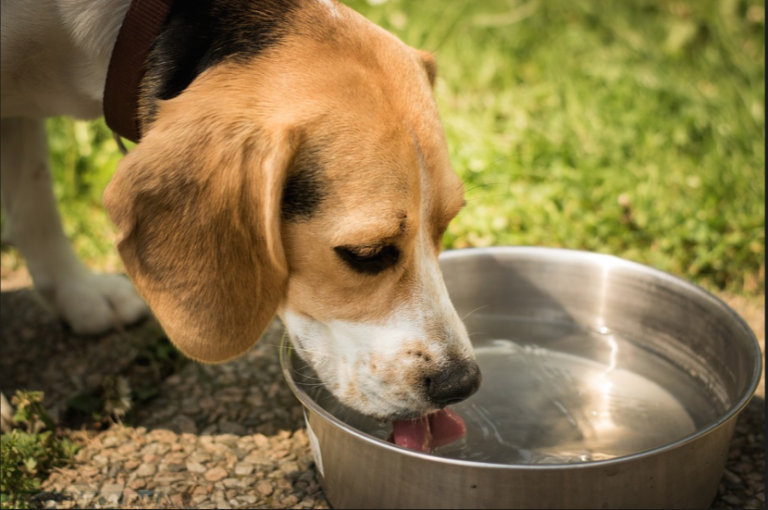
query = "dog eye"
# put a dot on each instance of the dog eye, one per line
(368, 259)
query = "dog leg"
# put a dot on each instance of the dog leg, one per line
(90, 303)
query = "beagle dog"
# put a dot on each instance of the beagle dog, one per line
(292, 162)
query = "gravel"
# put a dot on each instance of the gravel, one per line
(218, 436)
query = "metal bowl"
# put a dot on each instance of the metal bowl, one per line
(606, 384)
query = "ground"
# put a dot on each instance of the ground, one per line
(224, 436)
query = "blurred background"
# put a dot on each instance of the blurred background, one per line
(630, 128)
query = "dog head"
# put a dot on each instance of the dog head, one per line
(313, 182)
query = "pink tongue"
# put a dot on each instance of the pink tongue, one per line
(429, 432)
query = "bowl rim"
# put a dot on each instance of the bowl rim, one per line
(746, 396)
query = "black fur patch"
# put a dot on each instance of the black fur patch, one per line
(199, 34)
(305, 187)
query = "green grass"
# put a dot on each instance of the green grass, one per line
(30, 452)
(634, 128)
(84, 156)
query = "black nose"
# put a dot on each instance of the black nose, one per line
(457, 382)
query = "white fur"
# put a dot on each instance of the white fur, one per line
(341, 352)
(331, 7)
(55, 55)
(89, 303)
(54, 59)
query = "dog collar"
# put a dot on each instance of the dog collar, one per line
(141, 26)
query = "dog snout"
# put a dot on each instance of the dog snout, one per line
(456, 383)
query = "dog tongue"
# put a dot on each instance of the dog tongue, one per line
(428, 432)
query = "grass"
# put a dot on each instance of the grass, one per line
(631, 128)
(30, 452)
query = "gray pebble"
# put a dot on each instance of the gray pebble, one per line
(199, 499)
(99, 460)
(110, 441)
(732, 477)
(228, 439)
(244, 468)
(183, 424)
(257, 459)
(199, 456)
(307, 476)
(196, 467)
(146, 470)
(112, 487)
(290, 468)
(229, 427)
(231, 482)
(265, 488)
(215, 474)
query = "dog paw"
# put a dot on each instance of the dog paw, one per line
(96, 303)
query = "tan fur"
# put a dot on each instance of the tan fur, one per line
(247, 189)
(430, 65)
(197, 202)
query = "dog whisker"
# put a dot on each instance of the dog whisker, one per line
(483, 185)
(473, 311)
(317, 353)
(305, 350)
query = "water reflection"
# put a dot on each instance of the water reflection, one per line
(555, 395)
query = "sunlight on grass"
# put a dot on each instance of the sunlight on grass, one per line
(631, 128)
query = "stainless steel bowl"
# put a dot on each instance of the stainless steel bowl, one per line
(607, 384)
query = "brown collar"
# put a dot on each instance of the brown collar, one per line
(140, 28)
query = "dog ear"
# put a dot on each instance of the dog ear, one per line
(197, 207)
(430, 65)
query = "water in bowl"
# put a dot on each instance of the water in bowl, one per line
(560, 394)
